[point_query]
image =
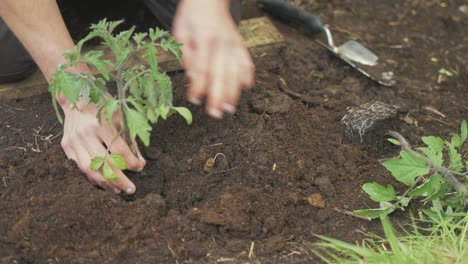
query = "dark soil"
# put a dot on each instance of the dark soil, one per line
(271, 155)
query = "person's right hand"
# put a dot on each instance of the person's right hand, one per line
(83, 139)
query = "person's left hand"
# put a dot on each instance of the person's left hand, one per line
(214, 56)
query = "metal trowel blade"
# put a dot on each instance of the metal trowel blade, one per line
(354, 51)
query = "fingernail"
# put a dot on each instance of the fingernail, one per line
(129, 191)
(117, 191)
(229, 108)
(216, 113)
(194, 101)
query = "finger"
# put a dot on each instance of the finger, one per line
(122, 182)
(117, 145)
(247, 75)
(84, 163)
(198, 65)
(218, 81)
(96, 149)
(232, 87)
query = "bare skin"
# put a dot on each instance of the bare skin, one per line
(218, 64)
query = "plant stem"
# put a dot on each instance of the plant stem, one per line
(446, 172)
(134, 78)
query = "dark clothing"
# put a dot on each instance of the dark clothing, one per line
(17, 64)
(15, 61)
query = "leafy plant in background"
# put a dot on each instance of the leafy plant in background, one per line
(144, 93)
(443, 241)
(435, 172)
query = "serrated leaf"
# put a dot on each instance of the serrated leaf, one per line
(152, 92)
(434, 143)
(152, 115)
(118, 161)
(163, 111)
(67, 83)
(464, 131)
(165, 87)
(435, 157)
(407, 167)
(455, 158)
(440, 192)
(96, 163)
(94, 58)
(138, 125)
(139, 107)
(109, 173)
(110, 107)
(456, 140)
(379, 193)
(150, 54)
(429, 187)
(394, 141)
(138, 37)
(184, 112)
(376, 213)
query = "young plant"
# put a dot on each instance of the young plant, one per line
(144, 93)
(435, 172)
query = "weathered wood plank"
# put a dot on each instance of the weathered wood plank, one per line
(260, 36)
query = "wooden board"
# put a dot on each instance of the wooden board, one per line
(260, 36)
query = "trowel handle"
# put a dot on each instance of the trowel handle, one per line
(292, 14)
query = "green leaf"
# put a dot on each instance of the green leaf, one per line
(67, 83)
(138, 125)
(96, 163)
(378, 212)
(438, 192)
(456, 140)
(184, 112)
(139, 37)
(407, 167)
(109, 173)
(94, 58)
(464, 131)
(163, 111)
(394, 141)
(111, 106)
(152, 92)
(379, 193)
(139, 107)
(455, 158)
(165, 87)
(150, 55)
(152, 115)
(429, 187)
(435, 157)
(118, 161)
(434, 143)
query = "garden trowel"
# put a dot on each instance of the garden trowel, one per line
(352, 52)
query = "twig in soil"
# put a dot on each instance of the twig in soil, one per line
(251, 250)
(448, 174)
(223, 171)
(14, 147)
(314, 101)
(4, 181)
(435, 111)
(349, 213)
(173, 253)
(219, 154)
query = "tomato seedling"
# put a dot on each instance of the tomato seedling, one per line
(144, 93)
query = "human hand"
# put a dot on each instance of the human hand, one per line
(84, 138)
(215, 58)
